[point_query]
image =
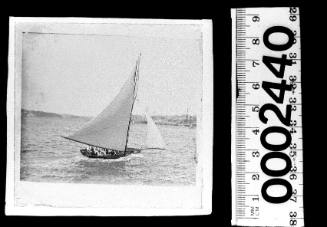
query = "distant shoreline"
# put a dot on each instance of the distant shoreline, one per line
(175, 120)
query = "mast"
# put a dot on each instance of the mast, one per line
(135, 87)
(187, 116)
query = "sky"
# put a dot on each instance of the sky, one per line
(81, 73)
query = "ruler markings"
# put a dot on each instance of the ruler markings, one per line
(249, 23)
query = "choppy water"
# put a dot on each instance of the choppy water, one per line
(47, 157)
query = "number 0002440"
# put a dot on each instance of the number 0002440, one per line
(266, 123)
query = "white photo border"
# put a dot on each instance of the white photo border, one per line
(131, 200)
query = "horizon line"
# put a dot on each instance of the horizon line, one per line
(96, 115)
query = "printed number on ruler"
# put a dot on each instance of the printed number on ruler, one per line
(267, 149)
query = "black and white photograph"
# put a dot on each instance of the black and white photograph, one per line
(163, 115)
(113, 116)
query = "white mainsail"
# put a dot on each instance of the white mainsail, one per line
(110, 128)
(154, 139)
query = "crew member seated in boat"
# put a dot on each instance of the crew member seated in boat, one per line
(111, 152)
(92, 151)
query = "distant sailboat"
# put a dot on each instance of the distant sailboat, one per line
(188, 120)
(108, 133)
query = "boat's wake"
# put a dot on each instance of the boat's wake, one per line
(127, 158)
(139, 155)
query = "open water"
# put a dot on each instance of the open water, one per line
(47, 157)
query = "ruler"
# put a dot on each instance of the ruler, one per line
(267, 164)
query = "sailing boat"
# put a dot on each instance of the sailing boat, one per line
(154, 139)
(107, 134)
(188, 122)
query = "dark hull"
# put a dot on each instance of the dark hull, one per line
(128, 151)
